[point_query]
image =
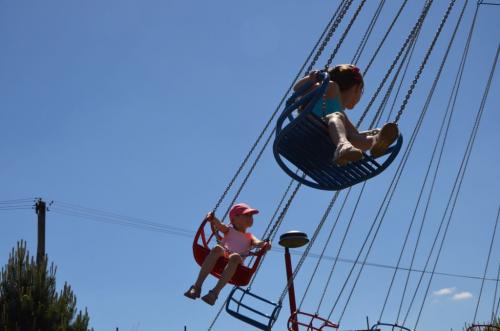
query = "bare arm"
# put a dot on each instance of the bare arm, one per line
(306, 80)
(217, 224)
(261, 243)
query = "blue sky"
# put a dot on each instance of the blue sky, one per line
(146, 109)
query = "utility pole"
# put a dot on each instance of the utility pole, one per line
(40, 210)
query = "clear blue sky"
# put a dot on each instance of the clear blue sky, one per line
(146, 108)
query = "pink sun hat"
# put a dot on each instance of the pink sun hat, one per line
(241, 209)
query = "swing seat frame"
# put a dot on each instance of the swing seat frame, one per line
(306, 144)
(481, 326)
(201, 248)
(236, 306)
(312, 325)
(400, 327)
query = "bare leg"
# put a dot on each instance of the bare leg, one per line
(234, 261)
(341, 132)
(208, 265)
(358, 140)
(337, 128)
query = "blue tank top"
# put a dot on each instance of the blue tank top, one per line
(332, 106)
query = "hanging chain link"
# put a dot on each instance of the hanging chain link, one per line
(281, 217)
(410, 37)
(346, 31)
(334, 27)
(308, 248)
(424, 62)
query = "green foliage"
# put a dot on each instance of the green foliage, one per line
(29, 300)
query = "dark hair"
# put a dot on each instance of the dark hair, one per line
(346, 76)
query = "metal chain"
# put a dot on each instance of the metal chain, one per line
(271, 235)
(272, 232)
(266, 231)
(426, 177)
(345, 6)
(346, 31)
(487, 263)
(410, 37)
(422, 66)
(308, 248)
(368, 32)
(495, 296)
(406, 59)
(451, 106)
(320, 258)
(272, 222)
(385, 37)
(459, 180)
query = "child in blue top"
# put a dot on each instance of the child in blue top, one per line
(343, 92)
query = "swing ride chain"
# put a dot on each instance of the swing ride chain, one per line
(332, 56)
(410, 37)
(451, 103)
(272, 233)
(384, 38)
(270, 236)
(266, 231)
(247, 157)
(346, 31)
(431, 93)
(231, 182)
(424, 62)
(324, 249)
(487, 263)
(308, 248)
(383, 105)
(459, 180)
(367, 34)
(329, 35)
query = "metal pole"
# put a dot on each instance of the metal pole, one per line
(40, 210)
(291, 290)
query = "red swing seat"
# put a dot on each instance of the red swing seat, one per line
(206, 233)
(315, 322)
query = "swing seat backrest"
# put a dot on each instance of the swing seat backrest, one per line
(309, 322)
(305, 143)
(252, 309)
(205, 238)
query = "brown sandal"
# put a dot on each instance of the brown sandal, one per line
(192, 293)
(384, 138)
(210, 298)
(346, 153)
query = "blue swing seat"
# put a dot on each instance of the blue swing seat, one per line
(244, 312)
(305, 143)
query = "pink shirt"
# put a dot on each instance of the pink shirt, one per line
(237, 242)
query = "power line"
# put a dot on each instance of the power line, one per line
(96, 215)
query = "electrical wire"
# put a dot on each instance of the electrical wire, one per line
(97, 215)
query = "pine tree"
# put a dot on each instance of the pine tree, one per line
(29, 300)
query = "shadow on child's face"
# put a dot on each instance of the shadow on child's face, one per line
(242, 222)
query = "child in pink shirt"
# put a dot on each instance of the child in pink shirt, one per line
(235, 246)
